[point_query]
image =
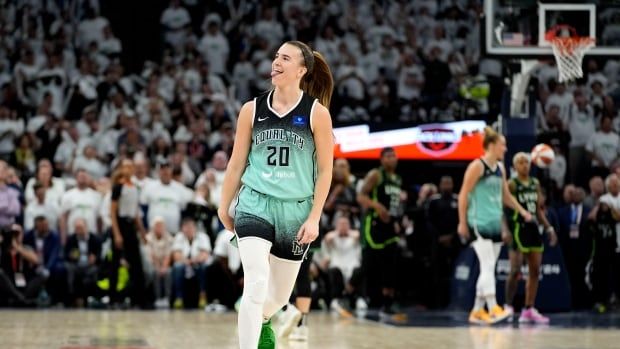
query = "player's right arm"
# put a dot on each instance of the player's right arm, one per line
(472, 175)
(363, 198)
(237, 163)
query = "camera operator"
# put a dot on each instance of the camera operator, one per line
(19, 282)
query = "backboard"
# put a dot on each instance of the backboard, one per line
(516, 28)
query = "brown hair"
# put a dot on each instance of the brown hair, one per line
(490, 137)
(318, 82)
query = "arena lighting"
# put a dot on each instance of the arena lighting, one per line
(460, 140)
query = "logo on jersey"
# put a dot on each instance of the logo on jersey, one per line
(436, 140)
(300, 120)
(298, 250)
(267, 174)
(262, 118)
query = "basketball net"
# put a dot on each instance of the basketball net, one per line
(568, 51)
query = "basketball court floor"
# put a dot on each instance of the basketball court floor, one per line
(95, 329)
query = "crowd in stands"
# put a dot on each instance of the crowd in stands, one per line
(70, 113)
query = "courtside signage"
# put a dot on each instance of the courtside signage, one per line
(461, 140)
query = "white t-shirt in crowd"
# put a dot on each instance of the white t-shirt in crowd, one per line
(345, 254)
(191, 249)
(83, 204)
(215, 49)
(606, 146)
(223, 248)
(35, 209)
(581, 125)
(15, 129)
(53, 195)
(93, 166)
(166, 201)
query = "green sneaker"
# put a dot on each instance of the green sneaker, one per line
(267, 338)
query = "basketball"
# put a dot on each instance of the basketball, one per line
(542, 155)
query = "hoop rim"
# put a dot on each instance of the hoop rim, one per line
(567, 45)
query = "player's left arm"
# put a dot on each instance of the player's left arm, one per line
(509, 200)
(542, 217)
(324, 142)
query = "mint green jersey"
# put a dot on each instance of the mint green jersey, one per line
(484, 209)
(282, 160)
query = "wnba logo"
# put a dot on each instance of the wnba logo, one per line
(437, 140)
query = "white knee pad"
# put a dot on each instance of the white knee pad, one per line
(256, 291)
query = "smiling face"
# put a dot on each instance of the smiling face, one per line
(288, 66)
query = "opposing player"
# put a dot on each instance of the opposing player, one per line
(483, 194)
(281, 168)
(381, 198)
(526, 239)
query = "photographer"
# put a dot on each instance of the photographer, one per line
(19, 282)
(9, 199)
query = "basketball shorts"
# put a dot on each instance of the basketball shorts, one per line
(258, 215)
(526, 237)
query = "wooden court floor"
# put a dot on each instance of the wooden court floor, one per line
(60, 329)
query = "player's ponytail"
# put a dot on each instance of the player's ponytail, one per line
(318, 82)
(490, 137)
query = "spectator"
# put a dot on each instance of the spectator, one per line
(597, 189)
(581, 126)
(10, 206)
(576, 244)
(166, 198)
(174, 20)
(19, 279)
(54, 187)
(342, 262)
(225, 274)
(89, 162)
(80, 202)
(442, 221)
(214, 46)
(11, 127)
(40, 207)
(23, 158)
(82, 259)
(159, 247)
(45, 242)
(190, 252)
(342, 195)
(603, 148)
(214, 176)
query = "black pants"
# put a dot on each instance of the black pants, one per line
(337, 283)
(602, 277)
(131, 253)
(223, 285)
(379, 270)
(9, 291)
(81, 280)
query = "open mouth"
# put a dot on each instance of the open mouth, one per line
(275, 72)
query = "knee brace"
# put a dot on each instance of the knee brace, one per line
(256, 291)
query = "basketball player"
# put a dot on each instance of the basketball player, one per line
(483, 192)
(381, 198)
(526, 239)
(281, 169)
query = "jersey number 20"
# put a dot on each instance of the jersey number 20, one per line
(278, 156)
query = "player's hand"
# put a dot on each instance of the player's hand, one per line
(118, 241)
(506, 237)
(226, 219)
(527, 216)
(308, 232)
(384, 214)
(463, 231)
(553, 237)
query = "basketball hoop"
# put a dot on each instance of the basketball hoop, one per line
(568, 51)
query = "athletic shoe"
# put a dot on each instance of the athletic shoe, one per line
(202, 301)
(498, 314)
(267, 338)
(389, 314)
(288, 321)
(178, 303)
(510, 310)
(480, 317)
(299, 333)
(361, 308)
(337, 308)
(600, 308)
(532, 315)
